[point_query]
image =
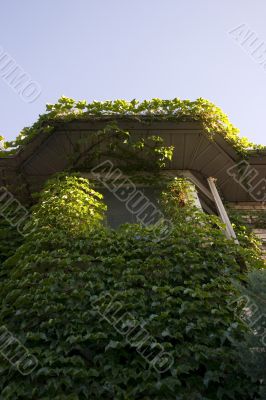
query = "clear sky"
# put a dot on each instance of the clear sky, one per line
(108, 49)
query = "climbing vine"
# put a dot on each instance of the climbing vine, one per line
(128, 152)
(62, 207)
(10, 240)
(255, 219)
(66, 109)
(178, 289)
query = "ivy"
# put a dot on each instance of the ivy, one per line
(253, 349)
(255, 219)
(66, 109)
(179, 289)
(128, 152)
(10, 240)
(68, 204)
(178, 193)
(244, 230)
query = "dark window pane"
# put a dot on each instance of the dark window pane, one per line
(121, 212)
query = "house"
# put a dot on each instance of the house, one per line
(202, 153)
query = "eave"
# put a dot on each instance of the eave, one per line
(49, 153)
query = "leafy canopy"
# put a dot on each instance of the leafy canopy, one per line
(67, 109)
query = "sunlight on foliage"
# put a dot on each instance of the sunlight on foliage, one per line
(212, 117)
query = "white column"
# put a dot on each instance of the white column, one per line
(230, 233)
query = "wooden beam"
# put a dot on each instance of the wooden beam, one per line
(229, 231)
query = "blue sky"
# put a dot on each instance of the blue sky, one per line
(108, 49)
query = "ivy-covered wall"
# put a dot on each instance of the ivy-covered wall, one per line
(175, 286)
(65, 277)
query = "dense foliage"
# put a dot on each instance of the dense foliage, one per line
(10, 240)
(256, 219)
(243, 226)
(252, 304)
(68, 205)
(66, 109)
(62, 278)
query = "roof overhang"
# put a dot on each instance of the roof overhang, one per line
(50, 153)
